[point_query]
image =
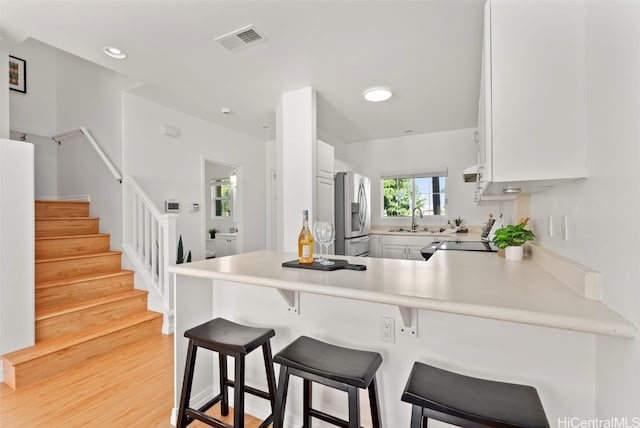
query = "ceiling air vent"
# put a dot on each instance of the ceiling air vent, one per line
(240, 38)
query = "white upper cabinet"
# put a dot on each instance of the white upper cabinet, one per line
(324, 184)
(324, 160)
(532, 118)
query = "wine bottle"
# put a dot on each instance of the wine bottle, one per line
(305, 241)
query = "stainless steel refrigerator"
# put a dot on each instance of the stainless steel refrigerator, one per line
(352, 214)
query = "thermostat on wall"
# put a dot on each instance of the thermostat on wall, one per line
(172, 206)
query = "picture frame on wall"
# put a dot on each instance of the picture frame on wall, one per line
(17, 74)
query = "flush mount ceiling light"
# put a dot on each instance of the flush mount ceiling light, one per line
(376, 95)
(114, 52)
(511, 190)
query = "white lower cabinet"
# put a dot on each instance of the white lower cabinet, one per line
(394, 251)
(375, 246)
(225, 246)
(404, 247)
(407, 252)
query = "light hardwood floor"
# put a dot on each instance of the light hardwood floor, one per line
(131, 387)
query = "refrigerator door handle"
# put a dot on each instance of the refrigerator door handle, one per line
(362, 202)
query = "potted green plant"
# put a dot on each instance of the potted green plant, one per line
(180, 257)
(512, 238)
(212, 232)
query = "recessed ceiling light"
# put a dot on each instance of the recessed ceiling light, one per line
(114, 52)
(408, 131)
(511, 190)
(226, 110)
(266, 126)
(377, 94)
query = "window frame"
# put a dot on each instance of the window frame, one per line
(215, 183)
(412, 177)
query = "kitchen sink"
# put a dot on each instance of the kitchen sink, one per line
(424, 231)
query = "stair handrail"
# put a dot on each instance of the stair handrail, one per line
(150, 242)
(84, 131)
(114, 171)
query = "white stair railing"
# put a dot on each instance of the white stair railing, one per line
(150, 243)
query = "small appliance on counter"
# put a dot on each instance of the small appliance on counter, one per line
(489, 230)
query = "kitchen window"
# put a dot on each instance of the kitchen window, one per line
(402, 193)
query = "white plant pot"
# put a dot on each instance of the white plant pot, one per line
(513, 253)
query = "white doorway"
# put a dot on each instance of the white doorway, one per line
(222, 209)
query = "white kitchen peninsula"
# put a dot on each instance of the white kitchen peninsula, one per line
(476, 313)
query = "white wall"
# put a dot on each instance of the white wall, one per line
(602, 208)
(90, 95)
(454, 150)
(17, 295)
(170, 168)
(4, 85)
(65, 92)
(36, 111)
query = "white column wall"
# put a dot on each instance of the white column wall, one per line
(17, 295)
(296, 141)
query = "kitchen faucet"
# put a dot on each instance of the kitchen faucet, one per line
(414, 225)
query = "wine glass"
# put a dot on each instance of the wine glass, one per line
(316, 238)
(326, 233)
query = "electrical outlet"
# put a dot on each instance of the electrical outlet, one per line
(550, 226)
(565, 228)
(387, 329)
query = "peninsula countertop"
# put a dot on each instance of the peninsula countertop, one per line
(459, 282)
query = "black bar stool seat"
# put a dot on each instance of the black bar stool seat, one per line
(334, 366)
(227, 339)
(470, 402)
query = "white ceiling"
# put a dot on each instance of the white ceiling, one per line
(427, 51)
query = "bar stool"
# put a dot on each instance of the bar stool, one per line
(227, 339)
(470, 402)
(341, 368)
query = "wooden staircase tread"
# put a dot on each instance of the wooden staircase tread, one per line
(74, 307)
(78, 257)
(66, 218)
(49, 346)
(80, 278)
(91, 235)
(61, 201)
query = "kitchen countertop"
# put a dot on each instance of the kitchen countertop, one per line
(459, 282)
(473, 234)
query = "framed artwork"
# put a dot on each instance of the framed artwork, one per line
(17, 74)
